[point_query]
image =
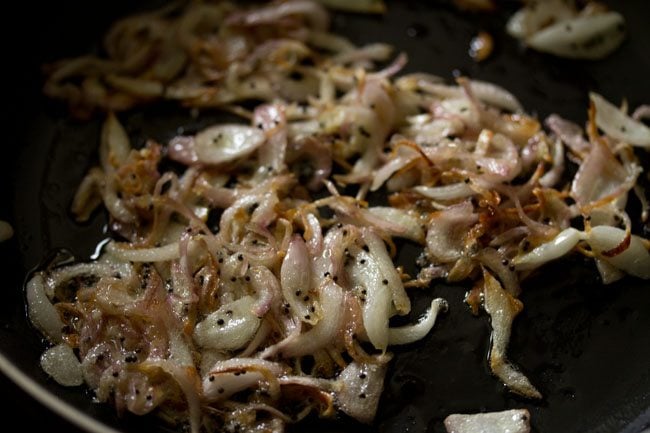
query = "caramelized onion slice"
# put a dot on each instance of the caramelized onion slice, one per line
(503, 308)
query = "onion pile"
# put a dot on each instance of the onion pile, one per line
(283, 307)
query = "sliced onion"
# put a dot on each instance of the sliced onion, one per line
(313, 12)
(454, 191)
(619, 125)
(62, 365)
(503, 308)
(510, 421)
(583, 37)
(366, 274)
(267, 288)
(114, 145)
(359, 387)
(410, 226)
(377, 249)
(231, 327)
(157, 254)
(570, 133)
(295, 278)
(41, 312)
(325, 331)
(634, 260)
(447, 232)
(535, 16)
(225, 377)
(558, 247)
(225, 143)
(411, 333)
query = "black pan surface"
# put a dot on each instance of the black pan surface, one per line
(586, 346)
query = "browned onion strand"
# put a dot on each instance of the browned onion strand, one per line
(283, 309)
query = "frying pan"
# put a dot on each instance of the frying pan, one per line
(586, 346)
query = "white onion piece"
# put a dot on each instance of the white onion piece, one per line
(447, 232)
(495, 95)
(98, 269)
(6, 231)
(224, 378)
(358, 389)
(188, 381)
(325, 331)
(42, 313)
(157, 254)
(570, 133)
(634, 260)
(62, 365)
(503, 308)
(583, 37)
(295, 278)
(377, 249)
(411, 333)
(486, 92)
(114, 147)
(225, 143)
(558, 247)
(600, 175)
(366, 274)
(507, 421)
(410, 225)
(617, 124)
(536, 15)
(231, 327)
(267, 288)
(452, 191)
(404, 156)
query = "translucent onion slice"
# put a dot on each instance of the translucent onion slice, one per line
(156, 254)
(325, 331)
(359, 388)
(584, 37)
(365, 274)
(511, 421)
(410, 227)
(619, 125)
(387, 269)
(225, 143)
(41, 312)
(295, 278)
(231, 327)
(558, 247)
(634, 260)
(62, 365)
(411, 333)
(503, 308)
(224, 377)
